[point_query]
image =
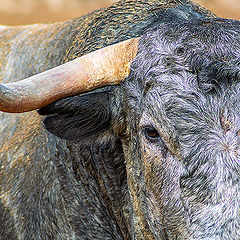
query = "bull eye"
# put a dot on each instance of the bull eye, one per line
(151, 134)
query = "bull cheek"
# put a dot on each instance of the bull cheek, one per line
(161, 176)
(152, 163)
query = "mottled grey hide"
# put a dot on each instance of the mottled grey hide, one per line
(177, 117)
(183, 128)
(156, 157)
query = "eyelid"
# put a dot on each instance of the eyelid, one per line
(146, 126)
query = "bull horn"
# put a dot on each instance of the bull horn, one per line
(107, 66)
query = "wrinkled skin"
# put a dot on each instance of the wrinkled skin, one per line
(154, 158)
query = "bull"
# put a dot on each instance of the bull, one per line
(153, 157)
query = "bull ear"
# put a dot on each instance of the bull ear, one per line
(80, 117)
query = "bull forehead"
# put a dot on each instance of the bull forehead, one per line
(189, 71)
(206, 54)
(186, 77)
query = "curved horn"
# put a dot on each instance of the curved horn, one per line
(107, 66)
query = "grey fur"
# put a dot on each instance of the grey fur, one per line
(118, 182)
(188, 88)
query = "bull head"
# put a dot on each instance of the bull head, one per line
(178, 118)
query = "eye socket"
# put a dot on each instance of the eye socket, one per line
(151, 134)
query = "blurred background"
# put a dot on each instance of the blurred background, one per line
(15, 12)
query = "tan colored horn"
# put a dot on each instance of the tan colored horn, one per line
(107, 66)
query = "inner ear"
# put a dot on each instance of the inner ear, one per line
(79, 117)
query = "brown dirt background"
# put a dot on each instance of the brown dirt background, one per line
(16, 12)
